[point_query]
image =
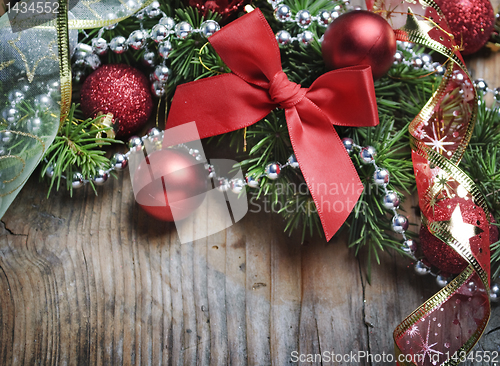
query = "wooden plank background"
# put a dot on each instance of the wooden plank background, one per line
(92, 280)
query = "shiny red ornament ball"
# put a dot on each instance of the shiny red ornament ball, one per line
(471, 22)
(225, 8)
(121, 90)
(178, 188)
(359, 38)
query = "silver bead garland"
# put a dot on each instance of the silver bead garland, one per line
(161, 35)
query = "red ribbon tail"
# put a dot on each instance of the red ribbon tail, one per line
(327, 168)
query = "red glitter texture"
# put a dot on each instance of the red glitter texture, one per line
(121, 90)
(470, 20)
(438, 253)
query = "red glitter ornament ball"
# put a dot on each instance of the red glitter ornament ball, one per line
(439, 254)
(471, 22)
(121, 90)
(225, 8)
(179, 184)
(359, 38)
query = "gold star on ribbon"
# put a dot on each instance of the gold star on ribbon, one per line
(420, 26)
(461, 230)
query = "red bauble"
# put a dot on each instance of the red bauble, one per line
(439, 254)
(225, 8)
(359, 38)
(180, 184)
(471, 21)
(121, 90)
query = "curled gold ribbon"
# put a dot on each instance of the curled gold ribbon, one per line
(425, 336)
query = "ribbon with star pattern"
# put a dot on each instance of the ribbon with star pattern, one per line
(444, 329)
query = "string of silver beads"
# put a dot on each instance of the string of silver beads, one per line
(161, 34)
(304, 19)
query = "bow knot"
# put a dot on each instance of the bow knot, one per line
(284, 92)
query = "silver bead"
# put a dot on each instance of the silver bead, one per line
(99, 46)
(283, 37)
(135, 144)
(348, 144)
(161, 73)
(399, 223)
(381, 177)
(237, 185)
(390, 200)
(82, 50)
(153, 10)
(426, 59)
(209, 27)
(303, 18)
(77, 180)
(335, 14)
(118, 45)
(140, 15)
(305, 37)
(33, 124)
(324, 17)
(159, 32)
(272, 171)
(442, 281)
(368, 154)
(223, 185)
(15, 96)
(148, 58)
(417, 62)
(49, 172)
(440, 69)
(495, 292)
(154, 134)
(11, 115)
(5, 136)
(421, 269)
(183, 30)
(409, 246)
(165, 48)
(43, 102)
(100, 177)
(292, 161)
(167, 22)
(252, 182)
(481, 86)
(158, 88)
(137, 39)
(211, 170)
(398, 57)
(93, 61)
(283, 13)
(119, 161)
(496, 93)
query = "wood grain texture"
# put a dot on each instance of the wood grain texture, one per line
(93, 280)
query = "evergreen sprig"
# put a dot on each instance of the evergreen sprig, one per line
(77, 148)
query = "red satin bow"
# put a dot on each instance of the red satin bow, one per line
(257, 85)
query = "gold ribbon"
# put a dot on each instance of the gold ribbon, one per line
(431, 33)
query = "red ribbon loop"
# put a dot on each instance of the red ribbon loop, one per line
(284, 92)
(257, 85)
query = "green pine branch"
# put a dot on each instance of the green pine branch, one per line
(77, 148)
